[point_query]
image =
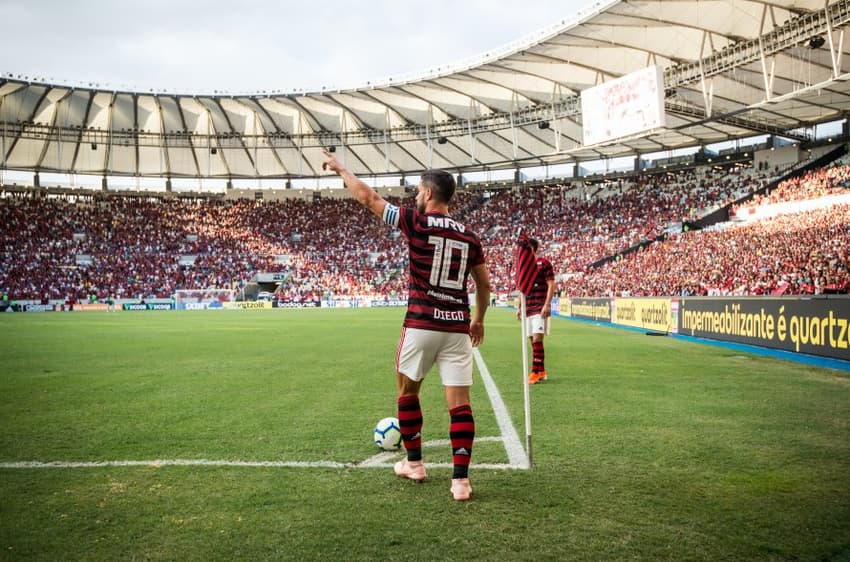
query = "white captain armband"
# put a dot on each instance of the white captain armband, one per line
(391, 215)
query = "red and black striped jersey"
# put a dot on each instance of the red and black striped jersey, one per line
(441, 252)
(537, 297)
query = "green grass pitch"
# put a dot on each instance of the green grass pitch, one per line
(644, 448)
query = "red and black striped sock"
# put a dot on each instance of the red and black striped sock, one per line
(537, 356)
(461, 434)
(410, 424)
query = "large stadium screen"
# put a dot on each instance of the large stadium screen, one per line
(629, 105)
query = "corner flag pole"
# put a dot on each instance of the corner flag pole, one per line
(525, 270)
(525, 393)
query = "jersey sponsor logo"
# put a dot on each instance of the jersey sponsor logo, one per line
(444, 297)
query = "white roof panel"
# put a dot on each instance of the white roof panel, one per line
(732, 68)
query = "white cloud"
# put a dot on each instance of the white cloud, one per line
(242, 46)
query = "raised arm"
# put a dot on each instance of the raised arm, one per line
(364, 194)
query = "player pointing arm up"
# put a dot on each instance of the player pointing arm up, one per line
(438, 326)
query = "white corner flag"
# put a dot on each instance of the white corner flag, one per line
(525, 271)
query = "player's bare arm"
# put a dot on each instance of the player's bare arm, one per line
(482, 301)
(550, 294)
(364, 194)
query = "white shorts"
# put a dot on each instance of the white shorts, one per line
(536, 324)
(419, 350)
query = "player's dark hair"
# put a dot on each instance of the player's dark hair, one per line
(534, 243)
(441, 183)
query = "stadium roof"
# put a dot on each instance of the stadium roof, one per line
(731, 69)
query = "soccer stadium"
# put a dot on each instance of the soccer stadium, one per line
(200, 316)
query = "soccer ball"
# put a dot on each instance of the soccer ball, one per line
(388, 434)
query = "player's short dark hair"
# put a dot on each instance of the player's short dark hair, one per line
(440, 182)
(534, 243)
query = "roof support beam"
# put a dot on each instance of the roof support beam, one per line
(164, 157)
(513, 125)
(107, 156)
(707, 92)
(82, 131)
(745, 52)
(730, 119)
(834, 53)
(271, 144)
(768, 76)
(188, 137)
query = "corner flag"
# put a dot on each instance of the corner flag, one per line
(525, 265)
(525, 272)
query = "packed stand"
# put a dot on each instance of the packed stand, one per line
(796, 253)
(332, 247)
(131, 247)
(579, 229)
(804, 253)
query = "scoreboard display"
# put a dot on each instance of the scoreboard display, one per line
(623, 107)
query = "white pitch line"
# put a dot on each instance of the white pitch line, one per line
(382, 459)
(251, 464)
(517, 456)
(173, 462)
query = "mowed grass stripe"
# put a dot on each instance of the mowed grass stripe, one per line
(645, 448)
(232, 385)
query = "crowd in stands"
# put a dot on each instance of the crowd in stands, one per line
(805, 253)
(814, 184)
(131, 247)
(797, 253)
(134, 246)
(581, 228)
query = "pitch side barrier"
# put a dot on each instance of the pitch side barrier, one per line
(354, 302)
(587, 308)
(818, 325)
(147, 306)
(815, 325)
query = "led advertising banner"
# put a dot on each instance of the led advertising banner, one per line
(646, 313)
(598, 309)
(816, 326)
